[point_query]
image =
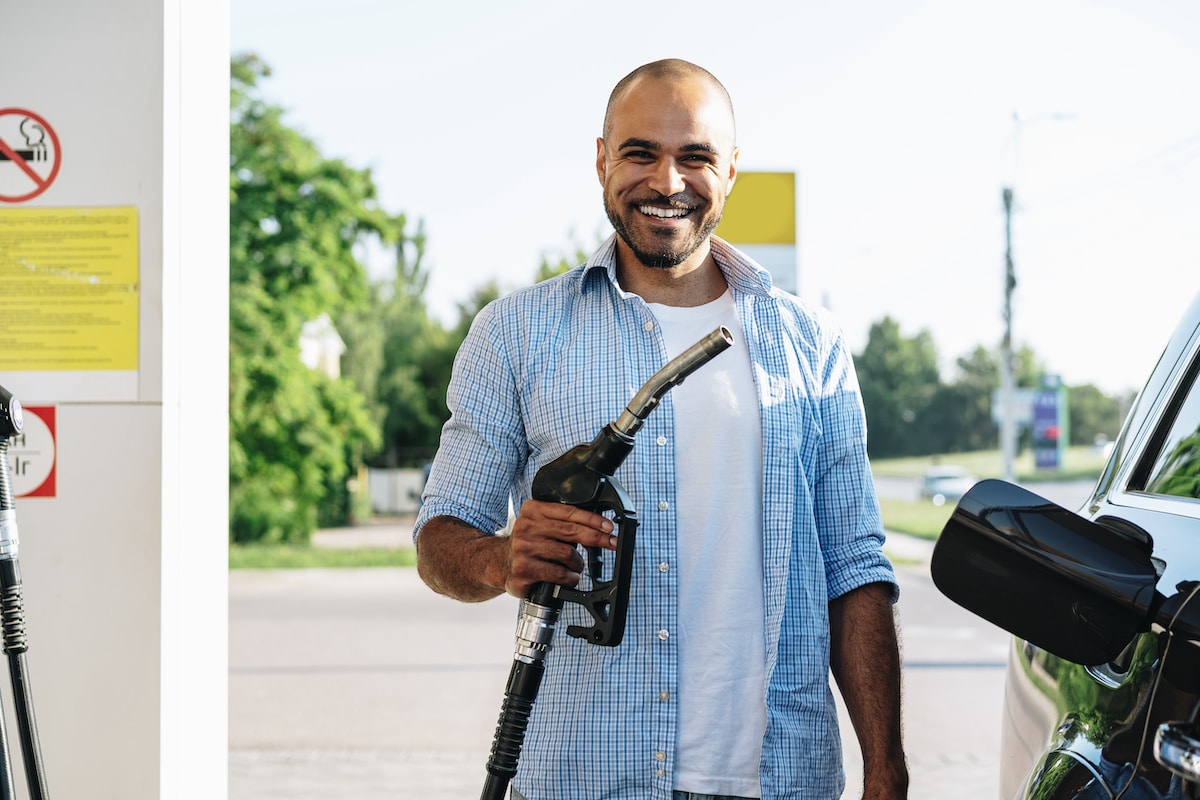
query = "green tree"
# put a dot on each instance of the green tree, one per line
(417, 358)
(295, 221)
(898, 376)
(558, 262)
(413, 355)
(959, 416)
(396, 353)
(469, 308)
(911, 411)
(1092, 413)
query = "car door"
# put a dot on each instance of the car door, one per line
(1076, 731)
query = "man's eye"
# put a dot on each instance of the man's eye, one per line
(639, 156)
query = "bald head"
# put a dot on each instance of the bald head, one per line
(669, 70)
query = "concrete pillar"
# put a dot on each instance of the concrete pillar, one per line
(114, 280)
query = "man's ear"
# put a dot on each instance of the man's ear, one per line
(732, 170)
(601, 162)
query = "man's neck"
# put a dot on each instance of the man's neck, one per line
(696, 281)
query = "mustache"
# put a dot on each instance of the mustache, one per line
(685, 201)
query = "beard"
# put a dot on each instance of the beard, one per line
(660, 249)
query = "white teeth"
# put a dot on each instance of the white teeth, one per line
(664, 213)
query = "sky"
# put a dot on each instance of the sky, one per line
(902, 119)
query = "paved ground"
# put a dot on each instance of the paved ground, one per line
(364, 684)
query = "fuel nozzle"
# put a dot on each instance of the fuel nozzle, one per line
(12, 421)
(12, 619)
(670, 376)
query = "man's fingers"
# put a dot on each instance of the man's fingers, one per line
(544, 542)
(528, 554)
(566, 523)
(544, 560)
(580, 516)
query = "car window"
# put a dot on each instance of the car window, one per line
(1176, 470)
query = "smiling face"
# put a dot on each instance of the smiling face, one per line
(667, 162)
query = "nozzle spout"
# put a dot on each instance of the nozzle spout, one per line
(678, 368)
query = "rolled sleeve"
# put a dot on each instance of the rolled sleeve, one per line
(483, 442)
(849, 523)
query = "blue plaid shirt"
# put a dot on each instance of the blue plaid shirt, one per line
(544, 369)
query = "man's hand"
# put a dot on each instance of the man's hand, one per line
(543, 545)
(467, 564)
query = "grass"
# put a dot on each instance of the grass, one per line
(916, 518)
(1079, 463)
(282, 556)
(922, 518)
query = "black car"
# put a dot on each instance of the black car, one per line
(1102, 695)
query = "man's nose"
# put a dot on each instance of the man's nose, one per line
(667, 179)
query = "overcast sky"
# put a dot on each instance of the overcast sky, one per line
(896, 115)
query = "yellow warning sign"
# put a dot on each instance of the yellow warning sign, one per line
(69, 289)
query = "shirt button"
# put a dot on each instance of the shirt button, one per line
(649, 325)
(661, 441)
(663, 505)
(664, 696)
(660, 756)
(660, 773)
(664, 567)
(664, 634)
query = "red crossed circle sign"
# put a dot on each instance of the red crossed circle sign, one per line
(29, 155)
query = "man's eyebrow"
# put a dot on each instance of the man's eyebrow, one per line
(639, 144)
(635, 143)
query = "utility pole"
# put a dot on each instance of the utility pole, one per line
(1008, 383)
(1008, 418)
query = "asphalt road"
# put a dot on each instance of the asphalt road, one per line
(364, 684)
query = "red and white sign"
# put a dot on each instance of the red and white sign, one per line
(32, 456)
(29, 155)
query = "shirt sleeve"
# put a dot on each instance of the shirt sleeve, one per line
(849, 523)
(483, 443)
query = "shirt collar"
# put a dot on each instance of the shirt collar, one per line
(741, 272)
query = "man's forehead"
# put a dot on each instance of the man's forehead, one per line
(692, 109)
(691, 86)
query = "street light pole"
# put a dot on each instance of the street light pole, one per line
(1008, 388)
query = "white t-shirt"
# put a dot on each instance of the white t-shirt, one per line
(722, 659)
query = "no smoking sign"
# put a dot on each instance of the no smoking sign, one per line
(29, 155)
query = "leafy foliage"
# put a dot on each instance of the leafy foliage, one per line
(561, 261)
(1094, 414)
(295, 220)
(898, 377)
(912, 411)
(401, 358)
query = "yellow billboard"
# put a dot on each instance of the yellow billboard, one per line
(760, 220)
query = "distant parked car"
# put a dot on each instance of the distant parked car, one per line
(946, 482)
(1103, 685)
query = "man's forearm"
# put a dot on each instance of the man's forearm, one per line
(460, 561)
(865, 660)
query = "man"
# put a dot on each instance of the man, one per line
(759, 564)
